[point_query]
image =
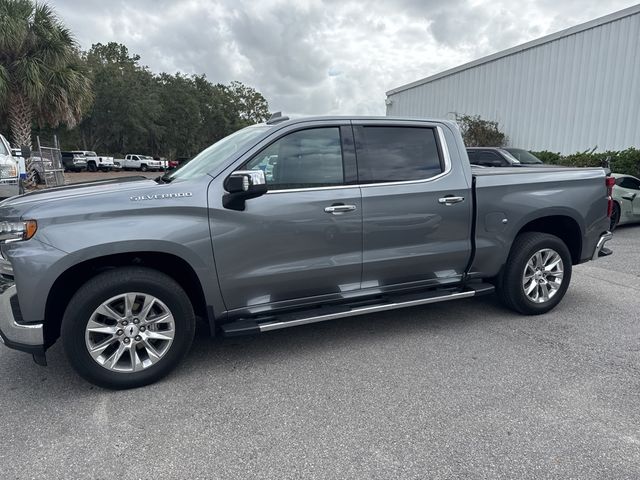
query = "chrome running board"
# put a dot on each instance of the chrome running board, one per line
(323, 314)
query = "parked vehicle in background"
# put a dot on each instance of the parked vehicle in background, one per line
(120, 269)
(525, 157)
(173, 164)
(626, 198)
(10, 184)
(502, 157)
(73, 161)
(105, 164)
(134, 161)
(163, 162)
(22, 165)
(94, 162)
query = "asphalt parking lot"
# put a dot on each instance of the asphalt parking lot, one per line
(455, 390)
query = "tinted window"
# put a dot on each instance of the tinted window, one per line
(303, 159)
(391, 154)
(629, 182)
(488, 158)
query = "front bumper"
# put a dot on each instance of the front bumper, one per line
(9, 188)
(19, 336)
(600, 250)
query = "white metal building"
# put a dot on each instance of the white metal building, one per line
(566, 92)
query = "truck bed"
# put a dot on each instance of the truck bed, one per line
(504, 196)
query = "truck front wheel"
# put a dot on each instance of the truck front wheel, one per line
(537, 273)
(127, 327)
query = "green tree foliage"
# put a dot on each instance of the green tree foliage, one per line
(477, 132)
(42, 78)
(126, 108)
(166, 115)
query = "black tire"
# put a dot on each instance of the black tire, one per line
(91, 167)
(510, 287)
(112, 283)
(143, 168)
(615, 216)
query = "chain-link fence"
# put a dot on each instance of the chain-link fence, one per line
(45, 165)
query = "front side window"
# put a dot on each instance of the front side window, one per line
(630, 183)
(393, 154)
(303, 159)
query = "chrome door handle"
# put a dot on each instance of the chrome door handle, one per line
(450, 200)
(339, 209)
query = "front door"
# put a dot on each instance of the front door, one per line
(416, 205)
(303, 238)
(630, 187)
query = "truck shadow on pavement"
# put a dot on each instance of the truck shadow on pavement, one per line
(219, 357)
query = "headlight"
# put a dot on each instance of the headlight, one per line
(8, 171)
(16, 231)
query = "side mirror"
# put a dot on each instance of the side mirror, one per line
(25, 151)
(243, 185)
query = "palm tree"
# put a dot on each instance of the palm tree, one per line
(42, 78)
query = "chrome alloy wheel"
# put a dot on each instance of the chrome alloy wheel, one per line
(130, 332)
(543, 275)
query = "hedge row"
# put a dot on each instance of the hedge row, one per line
(624, 161)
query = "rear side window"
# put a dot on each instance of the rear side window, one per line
(393, 154)
(488, 158)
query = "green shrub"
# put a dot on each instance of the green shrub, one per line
(548, 157)
(624, 161)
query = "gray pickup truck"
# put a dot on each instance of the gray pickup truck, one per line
(282, 224)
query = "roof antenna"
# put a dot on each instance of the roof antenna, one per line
(276, 117)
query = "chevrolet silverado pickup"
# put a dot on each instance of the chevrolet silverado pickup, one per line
(143, 163)
(281, 224)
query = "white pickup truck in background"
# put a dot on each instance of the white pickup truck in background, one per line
(94, 162)
(9, 171)
(134, 161)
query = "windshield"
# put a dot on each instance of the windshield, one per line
(3, 148)
(524, 156)
(212, 156)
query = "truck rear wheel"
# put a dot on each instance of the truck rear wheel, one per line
(537, 273)
(92, 167)
(127, 327)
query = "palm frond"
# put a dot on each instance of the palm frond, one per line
(39, 62)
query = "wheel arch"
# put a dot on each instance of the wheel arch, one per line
(562, 226)
(68, 282)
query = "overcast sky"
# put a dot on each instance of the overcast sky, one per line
(320, 56)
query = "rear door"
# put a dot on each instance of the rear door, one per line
(416, 205)
(303, 238)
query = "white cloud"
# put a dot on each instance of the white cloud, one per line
(320, 56)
